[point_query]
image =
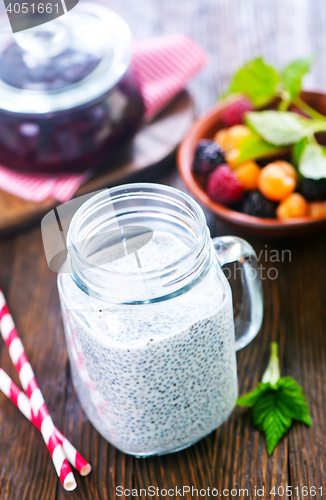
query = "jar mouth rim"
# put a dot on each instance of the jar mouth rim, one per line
(137, 190)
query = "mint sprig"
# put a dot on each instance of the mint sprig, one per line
(254, 147)
(257, 80)
(279, 128)
(282, 128)
(291, 78)
(310, 158)
(262, 83)
(276, 402)
(312, 162)
(274, 130)
(297, 151)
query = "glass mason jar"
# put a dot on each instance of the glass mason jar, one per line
(148, 317)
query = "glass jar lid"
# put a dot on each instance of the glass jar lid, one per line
(65, 63)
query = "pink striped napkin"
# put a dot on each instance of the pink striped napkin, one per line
(163, 66)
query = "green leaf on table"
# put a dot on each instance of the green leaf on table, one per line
(276, 405)
(254, 147)
(252, 397)
(292, 75)
(270, 417)
(312, 162)
(290, 392)
(280, 128)
(274, 408)
(257, 80)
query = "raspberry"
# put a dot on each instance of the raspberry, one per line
(317, 209)
(313, 189)
(223, 186)
(208, 156)
(257, 205)
(247, 173)
(277, 181)
(292, 207)
(234, 113)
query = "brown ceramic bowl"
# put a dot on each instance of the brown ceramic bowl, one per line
(206, 126)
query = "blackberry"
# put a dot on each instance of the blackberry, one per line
(313, 189)
(208, 156)
(257, 205)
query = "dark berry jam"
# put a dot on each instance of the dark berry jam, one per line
(73, 140)
(24, 71)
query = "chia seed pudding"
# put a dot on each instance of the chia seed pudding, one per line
(156, 376)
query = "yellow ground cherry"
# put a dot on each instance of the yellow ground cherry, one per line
(232, 157)
(221, 137)
(248, 173)
(275, 182)
(237, 134)
(233, 137)
(288, 168)
(292, 207)
(317, 209)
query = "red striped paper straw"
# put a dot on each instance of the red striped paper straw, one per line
(19, 398)
(30, 386)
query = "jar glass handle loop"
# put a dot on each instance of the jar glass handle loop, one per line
(249, 319)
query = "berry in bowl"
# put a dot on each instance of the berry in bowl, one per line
(258, 161)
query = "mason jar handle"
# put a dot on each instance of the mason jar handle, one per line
(248, 321)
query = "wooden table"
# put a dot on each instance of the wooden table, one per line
(233, 457)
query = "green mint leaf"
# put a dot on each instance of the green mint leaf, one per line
(276, 403)
(291, 77)
(254, 147)
(275, 424)
(257, 80)
(280, 128)
(292, 395)
(251, 398)
(298, 149)
(312, 162)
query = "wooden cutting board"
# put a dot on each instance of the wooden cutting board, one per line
(146, 154)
